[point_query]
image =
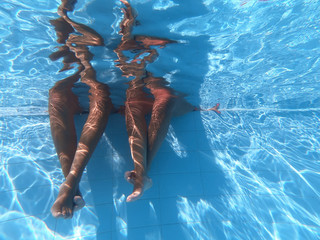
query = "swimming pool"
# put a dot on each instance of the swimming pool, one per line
(249, 173)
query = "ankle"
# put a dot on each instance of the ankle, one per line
(72, 182)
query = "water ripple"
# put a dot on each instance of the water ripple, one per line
(259, 59)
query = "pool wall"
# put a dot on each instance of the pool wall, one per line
(251, 172)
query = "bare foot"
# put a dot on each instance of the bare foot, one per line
(64, 204)
(140, 184)
(78, 203)
(129, 175)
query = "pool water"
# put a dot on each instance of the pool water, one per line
(251, 172)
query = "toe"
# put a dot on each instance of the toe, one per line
(64, 213)
(67, 213)
(78, 203)
(134, 196)
(56, 214)
(129, 176)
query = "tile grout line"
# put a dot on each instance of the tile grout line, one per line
(43, 111)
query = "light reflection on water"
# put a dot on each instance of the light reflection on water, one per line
(271, 184)
(260, 158)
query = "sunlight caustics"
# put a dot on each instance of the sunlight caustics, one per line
(250, 173)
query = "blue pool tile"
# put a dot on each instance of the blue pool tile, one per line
(201, 118)
(16, 205)
(97, 236)
(187, 140)
(287, 231)
(3, 128)
(101, 191)
(104, 213)
(153, 191)
(31, 202)
(194, 212)
(141, 213)
(32, 228)
(26, 127)
(186, 209)
(100, 167)
(47, 169)
(25, 150)
(310, 205)
(143, 233)
(290, 210)
(236, 212)
(251, 159)
(302, 159)
(303, 153)
(149, 213)
(121, 164)
(296, 139)
(205, 219)
(169, 210)
(175, 231)
(26, 97)
(300, 183)
(207, 160)
(213, 183)
(103, 148)
(180, 184)
(119, 144)
(4, 97)
(24, 175)
(249, 173)
(102, 236)
(183, 123)
(178, 141)
(191, 231)
(209, 141)
(49, 220)
(281, 182)
(121, 188)
(116, 125)
(83, 223)
(166, 145)
(175, 162)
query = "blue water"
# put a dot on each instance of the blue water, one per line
(250, 173)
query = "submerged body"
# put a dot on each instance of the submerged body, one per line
(63, 104)
(145, 139)
(162, 103)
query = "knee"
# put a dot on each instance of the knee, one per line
(62, 98)
(56, 96)
(100, 93)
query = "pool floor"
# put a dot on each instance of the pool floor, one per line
(206, 184)
(250, 173)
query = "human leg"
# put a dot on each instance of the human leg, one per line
(167, 104)
(63, 104)
(137, 106)
(68, 199)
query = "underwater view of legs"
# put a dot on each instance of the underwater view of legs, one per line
(63, 104)
(168, 166)
(146, 95)
(161, 104)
